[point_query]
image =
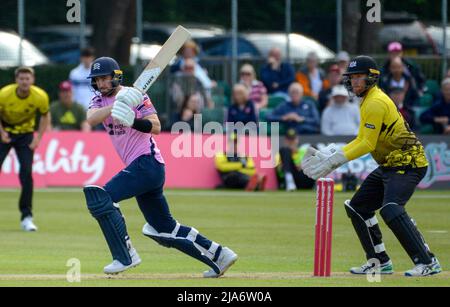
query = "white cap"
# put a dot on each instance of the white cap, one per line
(343, 56)
(339, 90)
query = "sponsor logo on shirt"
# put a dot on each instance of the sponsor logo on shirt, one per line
(370, 126)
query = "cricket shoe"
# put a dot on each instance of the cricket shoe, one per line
(423, 270)
(384, 269)
(28, 225)
(226, 259)
(116, 267)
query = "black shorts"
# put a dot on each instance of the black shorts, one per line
(384, 186)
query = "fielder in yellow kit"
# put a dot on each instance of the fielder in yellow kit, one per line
(19, 104)
(387, 137)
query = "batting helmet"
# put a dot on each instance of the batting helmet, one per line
(106, 67)
(362, 65)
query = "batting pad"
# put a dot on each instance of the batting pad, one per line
(111, 222)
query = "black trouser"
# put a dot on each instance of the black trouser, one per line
(288, 166)
(20, 143)
(235, 180)
(381, 189)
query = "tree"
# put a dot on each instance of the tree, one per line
(360, 27)
(114, 26)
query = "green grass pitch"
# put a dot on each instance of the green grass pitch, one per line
(272, 232)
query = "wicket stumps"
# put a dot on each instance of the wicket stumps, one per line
(324, 227)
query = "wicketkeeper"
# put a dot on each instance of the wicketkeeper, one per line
(385, 134)
(131, 121)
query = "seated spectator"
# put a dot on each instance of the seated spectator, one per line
(66, 114)
(257, 90)
(334, 78)
(277, 76)
(398, 97)
(185, 83)
(242, 110)
(341, 118)
(395, 50)
(312, 77)
(343, 60)
(238, 171)
(190, 51)
(396, 77)
(289, 170)
(297, 113)
(439, 114)
(189, 109)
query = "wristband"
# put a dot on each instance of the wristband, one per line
(142, 125)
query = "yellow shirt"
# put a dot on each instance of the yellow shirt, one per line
(225, 164)
(18, 115)
(385, 134)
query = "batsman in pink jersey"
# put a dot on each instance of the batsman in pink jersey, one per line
(131, 121)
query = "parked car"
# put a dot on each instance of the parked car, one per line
(437, 35)
(158, 33)
(300, 45)
(62, 44)
(221, 46)
(9, 51)
(409, 31)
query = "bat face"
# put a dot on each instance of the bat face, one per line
(162, 59)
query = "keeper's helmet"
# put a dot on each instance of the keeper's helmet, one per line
(362, 65)
(106, 67)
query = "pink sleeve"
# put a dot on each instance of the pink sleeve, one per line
(146, 108)
(96, 103)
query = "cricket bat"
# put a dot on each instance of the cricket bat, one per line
(156, 66)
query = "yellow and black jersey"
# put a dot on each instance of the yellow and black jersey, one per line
(385, 134)
(244, 165)
(18, 115)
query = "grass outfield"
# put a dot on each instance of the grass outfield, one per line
(273, 233)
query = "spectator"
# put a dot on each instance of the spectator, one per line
(185, 83)
(395, 50)
(277, 76)
(190, 108)
(396, 77)
(439, 114)
(398, 97)
(343, 60)
(243, 109)
(258, 92)
(66, 114)
(190, 51)
(289, 171)
(82, 90)
(297, 113)
(238, 171)
(341, 118)
(334, 78)
(312, 77)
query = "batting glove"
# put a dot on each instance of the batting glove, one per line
(123, 113)
(130, 96)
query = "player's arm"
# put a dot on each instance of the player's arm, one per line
(44, 123)
(4, 136)
(154, 127)
(96, 116)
